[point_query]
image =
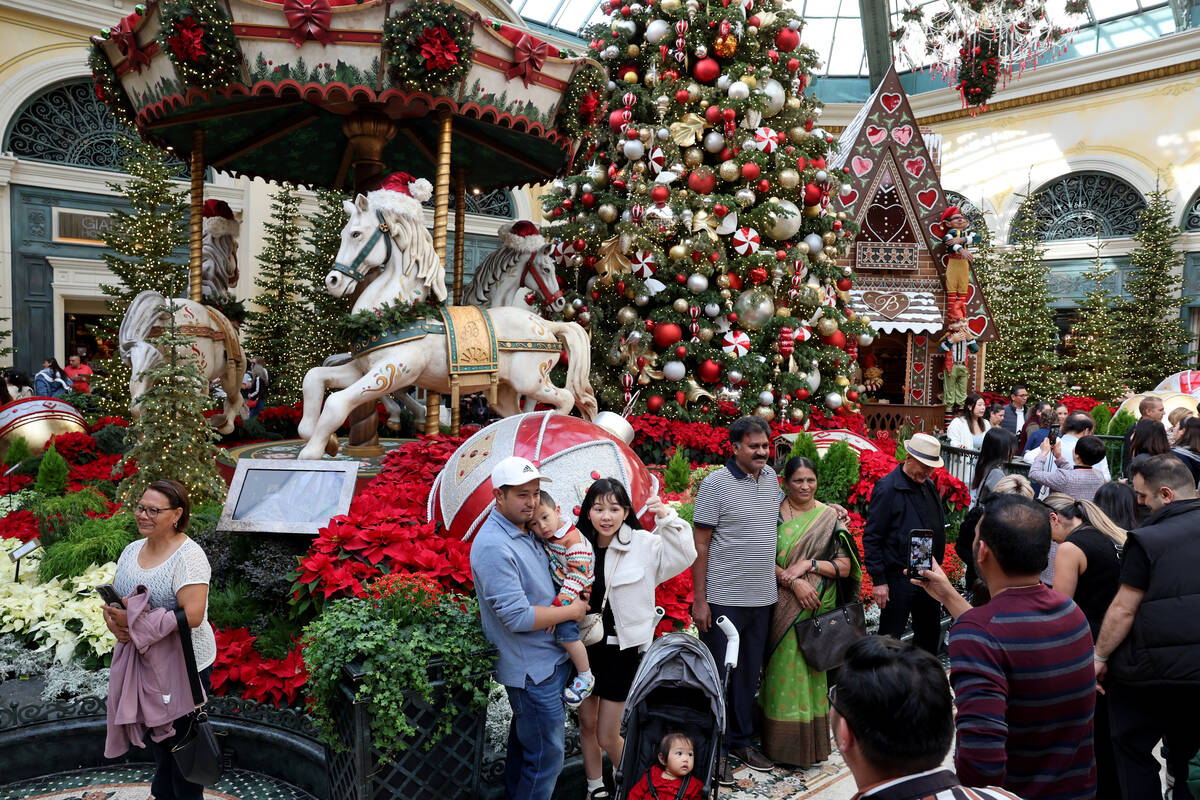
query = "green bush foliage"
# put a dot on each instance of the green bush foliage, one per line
(1103, 417)
(679, 471)
(52, 473)
(698, 475)
(94, 540)
(837, 472)
(30, 466)
(56, 515)
(1122, 422)
(112, 439)
(17, 452)
(804, 446)
(231, 606)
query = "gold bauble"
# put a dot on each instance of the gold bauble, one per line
(797, 134)
(693, 157)
(725, 46)
(783, 311)
(693, 90)
(631, 77)
(706, 334)
(750, 81)
(607, 212)
(829, 237)
(677, 252)
(723, 281)
(842, 380)
(766, 412)
(822, 258)
(680, 305)
(645, 134)
(682, 193)
(729, 171)
(827, 326)
(639, 187)
(670, 5)
(632, 51)
(726, 294)
(812, 211)
(865, 319)
(627, 315)
(789, 178)
(796, 414)
(802, 248)
(841, 215)
(37, 420)
(630, 294)
(793, 103)
(830, 250)
(568, 313)
(639, 167)
(777, 359)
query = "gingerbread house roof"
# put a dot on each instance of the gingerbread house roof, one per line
(884, 136)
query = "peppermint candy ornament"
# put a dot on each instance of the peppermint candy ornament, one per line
(736, 343)
(657, 159)
(643, 264)
(804, 334)
(746, 241)
(766, 139)
(558, 252)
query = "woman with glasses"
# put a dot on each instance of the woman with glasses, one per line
(176, 572)
(815, 553)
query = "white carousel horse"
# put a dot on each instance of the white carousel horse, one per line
(396, 243)
(519, 269)
(215, 351)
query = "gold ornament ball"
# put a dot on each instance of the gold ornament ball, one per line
(842, 380)
(639, 167)
(788, 178)
(680, 305)
(812, 211)
(766, 412)
(841, 215)
(670, 5)
(37, 424)
(827, 326)
(726, 294)
(677, 252)
(682, 193)
(829, 237)
(777, 359)
(822, 258)
(632, 51)
(783, 311)
(797, 134)
(723, 281)
(706, 334)
(693, 90)
(793, 103)
(729, 171)
(631, 77)
(607, 212)
(599, 178)
(802, 248)
(865, 319)
(627, 315)
(750, 81)
(796, 414)
(693, 157)
(645, 135)
(830, 250)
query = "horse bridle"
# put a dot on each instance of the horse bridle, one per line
(537, 279)
(354, 271)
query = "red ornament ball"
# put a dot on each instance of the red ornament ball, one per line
(733, 317)
(844, 284)
(764, 185)
(836, 339)
(681, 397)
(750, 171)
(616, 119)
(706, 70)
(793, 64)
(787, 40)
(851, 395)
(702, 181)
(666, 334)
(680, 352)
(681, 96)
(712, 114)
(660, 194)
(802, 393)
(709, 371)
(812, 194)
(588, 199)
(654, 403)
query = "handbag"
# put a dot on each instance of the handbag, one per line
(198, 754)
(824, 638)
(591, 630)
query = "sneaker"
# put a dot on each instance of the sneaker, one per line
(578, 691)
(725, 776)
(753, 759)
(600, 794)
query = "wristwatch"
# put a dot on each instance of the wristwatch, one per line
(814, 565)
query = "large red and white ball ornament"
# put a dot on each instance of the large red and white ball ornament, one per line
(746, 241)
(766, 140)
(37, 420)
(657, 160)
(736, 343)
(571, 452)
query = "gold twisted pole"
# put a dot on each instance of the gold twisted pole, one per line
(196, 223)
(441, 213)
(460, 223)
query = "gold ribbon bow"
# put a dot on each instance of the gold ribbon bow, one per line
(704, 222)
(528, 56)
(309, 19)
(688, 129)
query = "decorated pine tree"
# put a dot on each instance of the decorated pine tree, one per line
(699, 218)
(148, 244)
(1099, 363)
(270, 329)
(172, 438)
(1150, 323)
(1019, 297)
(317, 337)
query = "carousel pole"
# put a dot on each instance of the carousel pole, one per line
(441, 213)
(368, 132)
(196, 224)
(460, 221)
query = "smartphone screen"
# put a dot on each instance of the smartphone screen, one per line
(920, 552)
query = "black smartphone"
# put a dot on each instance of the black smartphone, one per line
(920, 552)
(109, 595)
(1052, 436)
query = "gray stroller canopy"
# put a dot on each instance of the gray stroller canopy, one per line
(677, 661)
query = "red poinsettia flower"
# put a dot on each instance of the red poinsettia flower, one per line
(188, 42)
(588, 107)
(437, 48)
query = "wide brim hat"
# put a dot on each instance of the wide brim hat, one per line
(926, 449)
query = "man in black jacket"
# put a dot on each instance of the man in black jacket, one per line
(1151, 633)
(905, 500)
(1014, 414)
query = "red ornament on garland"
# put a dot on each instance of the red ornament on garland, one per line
(654, 403)
(706, 70)
(844, 284)
(437, 48)
(666, 334)
(836, 339)
(709, 371)
(787, 40)
(702, 181)
(750, 171)
(188, 42)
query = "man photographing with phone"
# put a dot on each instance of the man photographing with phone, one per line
(903, 502)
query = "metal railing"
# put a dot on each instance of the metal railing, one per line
(960, 462)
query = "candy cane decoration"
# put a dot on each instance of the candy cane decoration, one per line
(736, 342)
(694, 313)
(627, 382)
(681, 27)
(643, 264)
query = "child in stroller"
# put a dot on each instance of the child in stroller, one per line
(670, 778)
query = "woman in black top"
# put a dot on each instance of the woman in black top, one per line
(1187, 446)
(1088, 569)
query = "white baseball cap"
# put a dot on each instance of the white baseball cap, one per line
(515, 471)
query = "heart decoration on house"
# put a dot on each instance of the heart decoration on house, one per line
(889, 304)
(917, 394)
(876, 134)
(915, 166)
(970, 294)
(903, 135)
(919, 340)
(891, 101)
(848, 198)
(977, 324)
(861, 166)
(919, 367)
(928, 197)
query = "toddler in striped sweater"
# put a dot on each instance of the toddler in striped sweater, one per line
(572, 562)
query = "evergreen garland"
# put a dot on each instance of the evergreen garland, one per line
(978, 68)
(361, 326)
(108, 86)
(428, 45)
(1099, 362)
(197, 35)
(583, 106)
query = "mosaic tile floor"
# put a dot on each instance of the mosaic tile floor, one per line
(132, 782)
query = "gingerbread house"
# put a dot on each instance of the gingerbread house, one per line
(894, 193)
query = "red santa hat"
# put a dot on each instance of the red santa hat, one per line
(219, 219)
(401, 194)
(951, 212)
(521, 235)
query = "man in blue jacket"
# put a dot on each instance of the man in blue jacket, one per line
(905, 500)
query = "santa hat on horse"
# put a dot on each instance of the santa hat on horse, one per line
(401, 194)
(521, 235)
(219, 219)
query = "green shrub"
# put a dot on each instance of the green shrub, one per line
(231, 606)
(679, 471)
(1121, 423)
(1103, 417)
(804, 446)
(30, 466)
(92, 541)
(686, 511)
(278, 637)
(699, 474)
(17, 452)
(56, 515)
(52, 473)
(112, 440)
(837, 472)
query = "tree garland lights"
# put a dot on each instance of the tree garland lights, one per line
(197, 35)
(361, 326)
(107, 85)
(583, 106)
(429, 45)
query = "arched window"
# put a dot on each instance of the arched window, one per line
(1084, 205)
(68, 125)
(972, 211)
(1191, 217)
(496, 203)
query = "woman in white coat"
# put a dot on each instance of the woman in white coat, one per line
(969, 425)
(630, 562)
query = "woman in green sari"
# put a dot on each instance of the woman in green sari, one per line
(815, 551)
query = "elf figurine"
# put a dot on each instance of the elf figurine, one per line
(956, 343)
(957, 236)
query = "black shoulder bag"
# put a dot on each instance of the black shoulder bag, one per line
(824, 638)
(198, 754)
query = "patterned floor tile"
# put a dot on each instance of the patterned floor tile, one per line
(132, 782)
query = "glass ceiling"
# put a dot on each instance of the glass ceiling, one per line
(834, 29)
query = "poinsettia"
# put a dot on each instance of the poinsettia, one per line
(76, 448)
(438, 48)
(188, 42)
(1078, 403)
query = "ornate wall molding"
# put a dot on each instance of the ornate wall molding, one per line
(1189, 220)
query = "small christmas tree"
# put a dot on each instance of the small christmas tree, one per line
(678, 472)
(52, 473)
(1150, 325)
(1020, 300)
(1099, 363)
(146, 243)
(172, 438)
(317, 338)
(271, 332)
(700, 216)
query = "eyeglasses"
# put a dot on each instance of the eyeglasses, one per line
(831, 697)
(151, 511)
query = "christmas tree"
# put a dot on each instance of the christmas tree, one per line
(1019, 297)
(1099, 363)
(172, 439)
(699, 217)
(146, 243)
(271, 331)
(1150, 325)
(317, 337)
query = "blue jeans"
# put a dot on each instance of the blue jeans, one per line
(566, 632)
(535, 737)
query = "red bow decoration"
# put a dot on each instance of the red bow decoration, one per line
(309, 19)
(528, 56)
(126, 42)
(437, 48)
(588, 107)
(188, 41)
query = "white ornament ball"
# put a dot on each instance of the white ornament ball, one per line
(766, 398)
(714, 142)
(793, 24)
(738, 90)
(865, 339)
(822, 176)
(754, 308)
(723, 82)
(744, 196)
(642, 300)
(674, 370)
(663, 133)
(626, 26)
(814, 379)
(815, 242)
(697, 283)
(701, 51)
(634, 149)
(833, 400)
(845, 190)
(734, 376)
(577, 303)
(656, 29)
(785, 227)
(610, 52)
(712, 309)
(775, 97)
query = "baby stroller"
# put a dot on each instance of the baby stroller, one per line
(677, 688)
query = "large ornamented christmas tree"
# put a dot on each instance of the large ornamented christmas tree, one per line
(699, 223)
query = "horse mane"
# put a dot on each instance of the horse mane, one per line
(143, 313)
(488, 274)
(414, 241)
(218, 252)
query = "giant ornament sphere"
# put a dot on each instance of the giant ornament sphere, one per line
(607, 212)
(787, 223)
(656, 29)
(570, 451)
(754, 308)
(36, 420)
(706, 70)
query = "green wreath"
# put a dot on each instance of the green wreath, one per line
(361, 326)
(583, 106)
(197, 35)
(429, 45)
(108, 86)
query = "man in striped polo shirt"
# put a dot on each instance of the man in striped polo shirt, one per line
(735, 524)
(1021, 667)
